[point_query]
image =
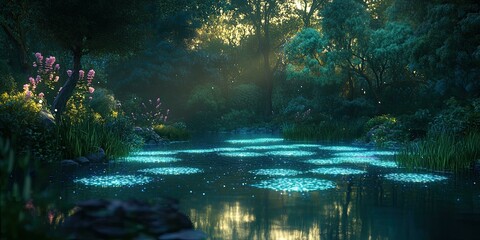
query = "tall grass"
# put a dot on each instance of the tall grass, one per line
(325, 131)
(442, 152)
(84, 136)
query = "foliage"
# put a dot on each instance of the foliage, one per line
(385, 131)
(103, 102)
(87, 133)
(244, 97)
(456, 118)
(20, 182)
(21, 121)
(238, 119)
(175, 132)
(146, 113)
(205, 103)
(443, 152)
(325, 131)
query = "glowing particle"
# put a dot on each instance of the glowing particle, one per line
(275, 172)
(171, 170)
(114, 180)
(337, 171)
(295, 184)
(414, 177)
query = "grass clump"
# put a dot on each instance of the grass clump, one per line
(442, 152)
(174, 132)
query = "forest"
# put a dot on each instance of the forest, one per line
(81, 75)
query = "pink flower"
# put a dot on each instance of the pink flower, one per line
(38, 79)
(57, 67)
(26, 87)
(34, 64)
(39, 57)
(41, 95)
(50, 77)
(28, 94)
(56, 78)
(49, 62)
(81, 74)
(69, 73)
(31, 80)
(90, 75)
(91, 89)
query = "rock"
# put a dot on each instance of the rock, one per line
(97, 157)
(69, 164)
(82, 160)
(47, 119)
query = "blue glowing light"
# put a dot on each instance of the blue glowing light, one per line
(241, 154)
(114, 180)
(337, 171)
(366, 154)
(306, 145)
(322, 161)
(296, 184)
(171, 170)
(255, 140)
(151, 159)
(228, 149)
(414, 177)
(354, 160)
(386, 164)
(342, 148)
(271, 147)
(154, 153)
(275, 172)
(297, 153)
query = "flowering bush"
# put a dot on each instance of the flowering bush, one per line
(146, 113)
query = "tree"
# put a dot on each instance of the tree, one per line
(91, 27)
(309, 10)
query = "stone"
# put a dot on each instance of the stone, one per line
(97, 157)
(68, 163)
(82, 160)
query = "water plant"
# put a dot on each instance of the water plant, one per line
(443, 152)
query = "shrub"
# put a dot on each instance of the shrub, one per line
(174, 132)
(325, 130)
(238, 118)
(456, 119)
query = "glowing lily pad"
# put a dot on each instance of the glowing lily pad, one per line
(297, 153)
(306, 145)
(114, 180)
(228, 149)
(337, 171)
(271, 147)
(414, 177)
(171, 170)
(366, 154)
(322, 161)
(151, 159)
(197, 151)
(355, 160)
(276, 172)
(342, 148)
(255, 140)
(386, 164)
(240, 154)
(154, 153)
(295, 184)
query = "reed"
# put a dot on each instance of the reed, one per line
(442, 153)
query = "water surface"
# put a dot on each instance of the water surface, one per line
(231, 190)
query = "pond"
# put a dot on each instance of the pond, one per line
(262, 187)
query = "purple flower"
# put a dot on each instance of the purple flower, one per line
(81, 74)
(39, 57)
(57, 67)
(38, 79)
(31, 80)
(41, 95)
(28, 94)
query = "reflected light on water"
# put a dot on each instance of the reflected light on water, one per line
(291, 153)
(337, 171)
(276, 172)
(151, 159)
(154, 153)
(341, 148)
(295, 184)
(414, 177)
(240, 154)
(200, 151)
(323, 161)
(385, 164)
(255, 140)
(171, 170)
(114, 180)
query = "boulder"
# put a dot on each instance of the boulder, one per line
(98, 157)
(82, 160)
(68, 163)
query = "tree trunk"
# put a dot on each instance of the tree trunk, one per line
(60, 102)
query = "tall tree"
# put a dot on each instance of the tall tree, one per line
(91, 27)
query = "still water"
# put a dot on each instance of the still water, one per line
(261, 187)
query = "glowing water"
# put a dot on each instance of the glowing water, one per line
(414, 177)
(241, 154)
(297, 153)
(151, 159)
(255, 140)
(296, 184)
(275, 172)
(114, 180)
(342, 148)
(171, 170)
(337, 171)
